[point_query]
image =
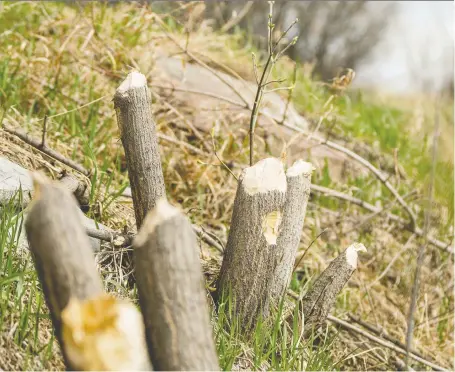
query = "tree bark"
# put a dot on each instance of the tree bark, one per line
(298, 191)
(171, 292)
(249, 262)
(61, 250)
(73, 290)
(318, 301)
(137, 132)
(79, 189)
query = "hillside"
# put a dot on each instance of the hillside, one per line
(66, 62)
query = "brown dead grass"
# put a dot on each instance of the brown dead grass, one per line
(83, 65)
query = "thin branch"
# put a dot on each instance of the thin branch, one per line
(196, 132)
(382, 333)
(421, 254)
(181, 143)
(196, 59)
(255, 68)
(349, 327)
(418, 231)
(44, 149)
(207, 94)
(43, 139)
(306, 250)
(235, 20)
(219, 159)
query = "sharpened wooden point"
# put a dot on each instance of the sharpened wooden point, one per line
(104, 334)
(321, 297)
(172, 293)
(250, 257)
(298, 192)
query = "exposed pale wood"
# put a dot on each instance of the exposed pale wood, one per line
(298, 191)
(250, 255)
(171, 292)
(137, 132)
(321, 297)
(61, 250)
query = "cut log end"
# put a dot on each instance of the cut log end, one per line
(352, 255)
(104, 333)
(162, 212)
(134, 80)
(266, 175)
(300, 167)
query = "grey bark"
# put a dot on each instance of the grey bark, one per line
(318, 301)
(61, 250)
(298, 191)
(250, 257)
(171, 292)
(79, 189)
(137, 132)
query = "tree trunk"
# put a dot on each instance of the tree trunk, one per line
(318, 301)
(250, 259)
(94, 330)
(137, 132)
(171, 292)
(298, 191)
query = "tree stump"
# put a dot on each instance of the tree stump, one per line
(318, 301)
(250, 259)
(137, 132)
(298, 191)
(172, 292)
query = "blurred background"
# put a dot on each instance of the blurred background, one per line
(394, 46)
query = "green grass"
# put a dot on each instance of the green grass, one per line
(273, 345)
(22, 308)
(90, 136)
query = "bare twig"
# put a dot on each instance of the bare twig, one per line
(196, 59)
(418, 231)
(207, 94)
(235, 20)
(43, 139)
(196, 132)
(219, 159)
(380, 341)
(44, 149)
(382, 333)
(181, 143)
(421, 254)
(263, 81)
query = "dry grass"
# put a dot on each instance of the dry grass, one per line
(55, 58)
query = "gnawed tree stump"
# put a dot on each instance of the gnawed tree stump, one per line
(137, 132)
(250, 258)
(95, 331)
(319, 300)
(298, 191)
(171, 292)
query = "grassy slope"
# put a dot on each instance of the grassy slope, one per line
(42, 43)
